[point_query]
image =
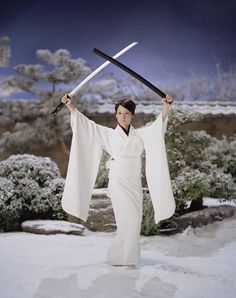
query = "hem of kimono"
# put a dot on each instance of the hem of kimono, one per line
(157, 220)
(83, 218)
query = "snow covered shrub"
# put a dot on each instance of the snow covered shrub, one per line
(207, 180)
(200, 165)
(31, 187)
(223, 154)
(179, 116)
(186, 149)
(222, 184)
(189, 185)
(10, 205)
(54, 189)
(40, 169)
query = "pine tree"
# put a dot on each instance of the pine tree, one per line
(47, 84)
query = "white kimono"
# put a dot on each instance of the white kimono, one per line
(124, 187)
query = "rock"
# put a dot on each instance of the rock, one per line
(204, 216)
(101, 216)
(49, 227)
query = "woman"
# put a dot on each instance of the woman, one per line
(125, 146)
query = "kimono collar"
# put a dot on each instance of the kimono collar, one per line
(125, 131)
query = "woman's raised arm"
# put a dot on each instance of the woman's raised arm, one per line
(166, 103)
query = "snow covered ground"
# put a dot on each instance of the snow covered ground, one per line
(199, 262)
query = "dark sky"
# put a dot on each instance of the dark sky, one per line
(177, 39)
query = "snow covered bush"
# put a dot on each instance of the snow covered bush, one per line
(10, 205)
(200, 165)
(208, 180)
(30, 187)
(186, 149)
(222, 185)
(189, 185)
(223, 153)
(179, 116)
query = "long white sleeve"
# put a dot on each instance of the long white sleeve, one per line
(85, 154)
(157, 170)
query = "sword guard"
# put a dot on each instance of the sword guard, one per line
(68, 96)
(169, 102)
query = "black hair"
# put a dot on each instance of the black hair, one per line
(126, 103)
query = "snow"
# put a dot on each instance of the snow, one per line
(199, 262)
(210, 202)
(217, 202)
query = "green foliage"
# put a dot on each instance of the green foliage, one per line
(148, 227)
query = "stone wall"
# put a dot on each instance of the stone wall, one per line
(215, 125)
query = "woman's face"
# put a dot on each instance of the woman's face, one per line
(124, 116)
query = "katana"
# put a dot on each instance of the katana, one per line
(97, 70)
(130, 71)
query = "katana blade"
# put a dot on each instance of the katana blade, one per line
(130, 71)
(88, 78)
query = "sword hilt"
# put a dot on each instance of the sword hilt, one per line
(59, 106)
